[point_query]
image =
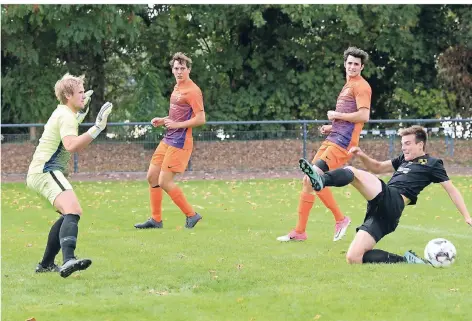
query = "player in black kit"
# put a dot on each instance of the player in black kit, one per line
(413, 171)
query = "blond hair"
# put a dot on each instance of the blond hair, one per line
(418, 131)
(182, 59)
(66, 85)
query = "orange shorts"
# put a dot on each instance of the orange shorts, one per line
(170, 158)
(333, 155)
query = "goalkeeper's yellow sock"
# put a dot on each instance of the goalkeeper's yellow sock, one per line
(155, 194)
(179, 199)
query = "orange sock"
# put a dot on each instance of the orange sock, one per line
(327, 198)
(155, 196)
(179, 199)
(304, 207)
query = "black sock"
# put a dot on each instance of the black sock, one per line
(53, 246)
(338, 177)
(68, 235)
(157, 186)
(380, 256)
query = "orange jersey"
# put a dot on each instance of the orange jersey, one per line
(355, 94)
(186, 100)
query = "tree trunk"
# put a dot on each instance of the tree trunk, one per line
(32, 133)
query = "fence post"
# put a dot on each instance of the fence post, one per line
(304, 139)
(32, 133)
(76, 162)
(446, 141)
(391, 145)
(449, 144)
(451, 147)
(189, 166)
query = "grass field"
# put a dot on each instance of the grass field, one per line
(230, 267)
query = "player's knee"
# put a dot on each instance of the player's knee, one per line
(152, 179)
(306, 181)
(353, 257)
(72, 209)
(166, 183)
(307, 188)
(321, 166)
(352, 169)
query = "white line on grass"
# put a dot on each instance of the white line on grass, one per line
(442, 233)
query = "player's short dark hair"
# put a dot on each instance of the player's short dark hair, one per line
(356, 52)
(182, 59)
(418, 131)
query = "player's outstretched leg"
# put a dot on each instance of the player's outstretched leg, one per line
(412, 258)
(317, 181)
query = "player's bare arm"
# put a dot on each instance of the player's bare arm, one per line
(326, 129)
(75, 144)
(158, 121)
(372, 165)
(78, 143)
(457, 199)
(360, 116)
(198, 120)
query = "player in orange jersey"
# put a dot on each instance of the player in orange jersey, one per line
(352, 111)
(173, 152)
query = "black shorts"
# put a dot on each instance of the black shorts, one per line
(383, 213)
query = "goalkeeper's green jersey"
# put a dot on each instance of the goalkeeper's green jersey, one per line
(50, 154)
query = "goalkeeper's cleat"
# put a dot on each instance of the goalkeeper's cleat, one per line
(74, 265)
(50, 268)
(412, 258)
(191, 221)
(317, 181)
(150, 223)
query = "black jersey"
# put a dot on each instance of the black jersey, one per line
(411, 177)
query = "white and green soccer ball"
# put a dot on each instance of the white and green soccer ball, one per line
(440, 252)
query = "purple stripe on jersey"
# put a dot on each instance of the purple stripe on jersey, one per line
(176, 137)
(341, 133)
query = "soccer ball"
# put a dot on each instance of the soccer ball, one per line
(440, 252)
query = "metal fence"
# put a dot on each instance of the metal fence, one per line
(234, 146)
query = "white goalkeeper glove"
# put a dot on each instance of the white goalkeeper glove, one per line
(81, 114)
(101, 121)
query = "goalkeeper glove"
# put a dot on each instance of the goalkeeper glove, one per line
(101, 121)
(81, 114)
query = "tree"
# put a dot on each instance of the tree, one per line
(455, 63)
(40, 43)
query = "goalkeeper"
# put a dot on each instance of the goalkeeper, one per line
(46, 174)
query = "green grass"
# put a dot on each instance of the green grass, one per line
(230, 267)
